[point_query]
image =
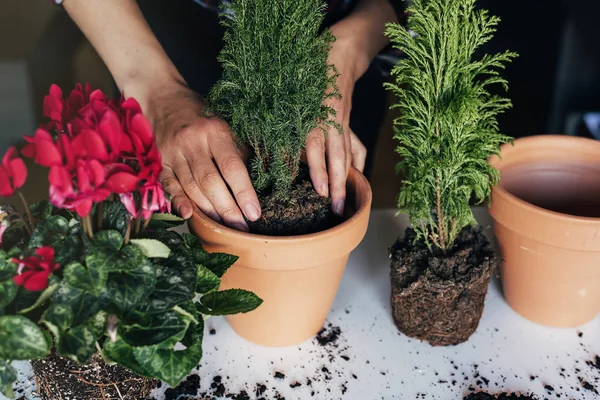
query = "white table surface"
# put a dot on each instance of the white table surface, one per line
(506, 353)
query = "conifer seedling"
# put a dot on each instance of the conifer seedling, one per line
(447, 128)
(446, 132)
(274, 84)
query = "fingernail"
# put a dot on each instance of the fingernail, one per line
(185, 212)
(324, 190)
(239, 226)
(338, 207)
(251, 212)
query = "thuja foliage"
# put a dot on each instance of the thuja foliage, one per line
(447, 128)
(274, 84)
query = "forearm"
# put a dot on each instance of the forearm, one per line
(363, 30)
(121, 36)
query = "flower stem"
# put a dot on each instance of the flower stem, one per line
(29, 226)
(87, 226)
(128, 232)
(138, 224)
(146, 223)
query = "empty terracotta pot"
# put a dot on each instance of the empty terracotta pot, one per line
(546, 213)
(296, 276)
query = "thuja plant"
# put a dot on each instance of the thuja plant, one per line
(275, 81)
(447, 128)
(95, 268)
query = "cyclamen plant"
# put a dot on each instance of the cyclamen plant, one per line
(96, 268)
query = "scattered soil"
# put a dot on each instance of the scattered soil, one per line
(301, 212)
(500, 396)
(61, 378)
(439, 298)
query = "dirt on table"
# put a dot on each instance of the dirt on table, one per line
(301, 212)
(61, 378)
(439, 297)
(499, 396)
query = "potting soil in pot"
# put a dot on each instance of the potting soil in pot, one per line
(61, 378)
(304, 211)
(440, 297)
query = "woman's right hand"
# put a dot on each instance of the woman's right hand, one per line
(202, 164)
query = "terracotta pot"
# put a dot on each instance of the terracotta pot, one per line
(546, 213)
(296, 276)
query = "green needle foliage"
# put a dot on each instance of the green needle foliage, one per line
(275, 81)
(447, 128)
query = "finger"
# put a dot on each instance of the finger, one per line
(214, 188)
(359, 152)
(315, 156)
(235, 173)
(180, 201)
(336, 166)
(186, 180)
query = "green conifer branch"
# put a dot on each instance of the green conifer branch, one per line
(447, 128)
(275, 81)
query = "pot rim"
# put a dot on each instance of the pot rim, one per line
(529, 207)
(365, 205)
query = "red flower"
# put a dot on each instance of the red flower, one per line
(153, 200)
(77, 188)
(13, 173)
(39, 268)
(42, 149)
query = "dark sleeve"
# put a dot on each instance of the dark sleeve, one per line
(399, 7)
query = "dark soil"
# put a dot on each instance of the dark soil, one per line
(439, 298)
(61, 378)
(304, 211)
(500, 396)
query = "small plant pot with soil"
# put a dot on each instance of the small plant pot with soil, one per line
(276, 90)
(59, 377)
(546, 213)
(439, 297)
(297, 277)
(447, 130)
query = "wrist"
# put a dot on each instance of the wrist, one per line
(350, 50)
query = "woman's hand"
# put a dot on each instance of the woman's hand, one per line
(359, 37)
(201, 162)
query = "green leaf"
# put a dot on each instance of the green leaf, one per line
(122, 353)
(115, 216)
(219, 263)
(41, 210)
(194, 334)
(14, 237)
(165, 221)
(152, 248)
(97, 323)
(170, 326)
(8, 269)
(190, 240)
(84, 304)
(78, 343)
(21, 339)
(8, 291)
(170, 238)
(42, 298)
(49, 232)
(175, 284)
(58, 318)
(128, 258)
(227, 302)
(8, 377)
(207, 280)
(169, 365)
(109, 239)
(90, 279)
(130, 289)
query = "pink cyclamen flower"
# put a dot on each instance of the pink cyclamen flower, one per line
(13, 173)
(34, 271)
